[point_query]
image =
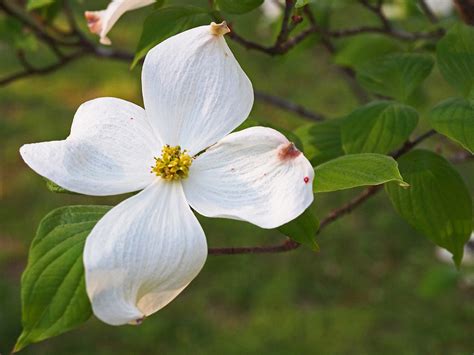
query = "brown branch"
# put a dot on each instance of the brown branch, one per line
(409, 145)
(288, 106)
(349, 206)
(282, 44)
(348, 74)
(428, 13)
(287, 245)
(466, 10)
(33, 71)
(284, 30)
(398, 34)
(377, 10)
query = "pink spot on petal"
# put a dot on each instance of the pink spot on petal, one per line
(288, 151)
(306, 179)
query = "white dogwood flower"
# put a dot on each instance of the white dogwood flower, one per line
(400, 9)
(149, 247)
(101, 22)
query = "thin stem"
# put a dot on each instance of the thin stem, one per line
(429, 14)
(287, 245)
(288, 106)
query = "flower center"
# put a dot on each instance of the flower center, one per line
(173, 164)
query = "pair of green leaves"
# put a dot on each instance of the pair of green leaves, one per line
(382, 69)
(455, 117)
(380, 127)
(53, 293)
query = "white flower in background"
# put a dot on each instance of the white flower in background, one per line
(441, 8)
(468, 258)
(272, 9)
(148, 248)
(398, 9)
(101, 22)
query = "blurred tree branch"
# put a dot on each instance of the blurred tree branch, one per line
(466, 10)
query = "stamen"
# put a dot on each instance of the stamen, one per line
(173, 164)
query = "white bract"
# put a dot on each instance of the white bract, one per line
(468, 257)
(272, 9)
(101, 22)
(441, 7)
(148, 248)
(399, 9)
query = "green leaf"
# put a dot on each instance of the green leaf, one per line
(54, 298)
(355, 170)
(437, 204)
(12, 33)
(238, 6)
(36, 4)
(321, 141)
(455, 119)
(395, 75)
(301, 3)
(378, 127)
(163, 23)
(53, 187)
(455, 53)
(303, 229)
(360, 49)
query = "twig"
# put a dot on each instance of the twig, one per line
(466, 10)
(349, 206)
(429, 14)
(398, 34)
(288, 106)
(284, 31)
(287, 245)
(282, 44)
(31, 71)
(409, 145)
(348, 74)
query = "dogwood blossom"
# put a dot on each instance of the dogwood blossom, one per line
(148, 248)
(468, 257)
(101, 22)
(399, 9)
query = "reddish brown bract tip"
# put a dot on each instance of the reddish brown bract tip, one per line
(93, 21)
(288, 151)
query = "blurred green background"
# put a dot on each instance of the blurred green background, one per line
(374, 288)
